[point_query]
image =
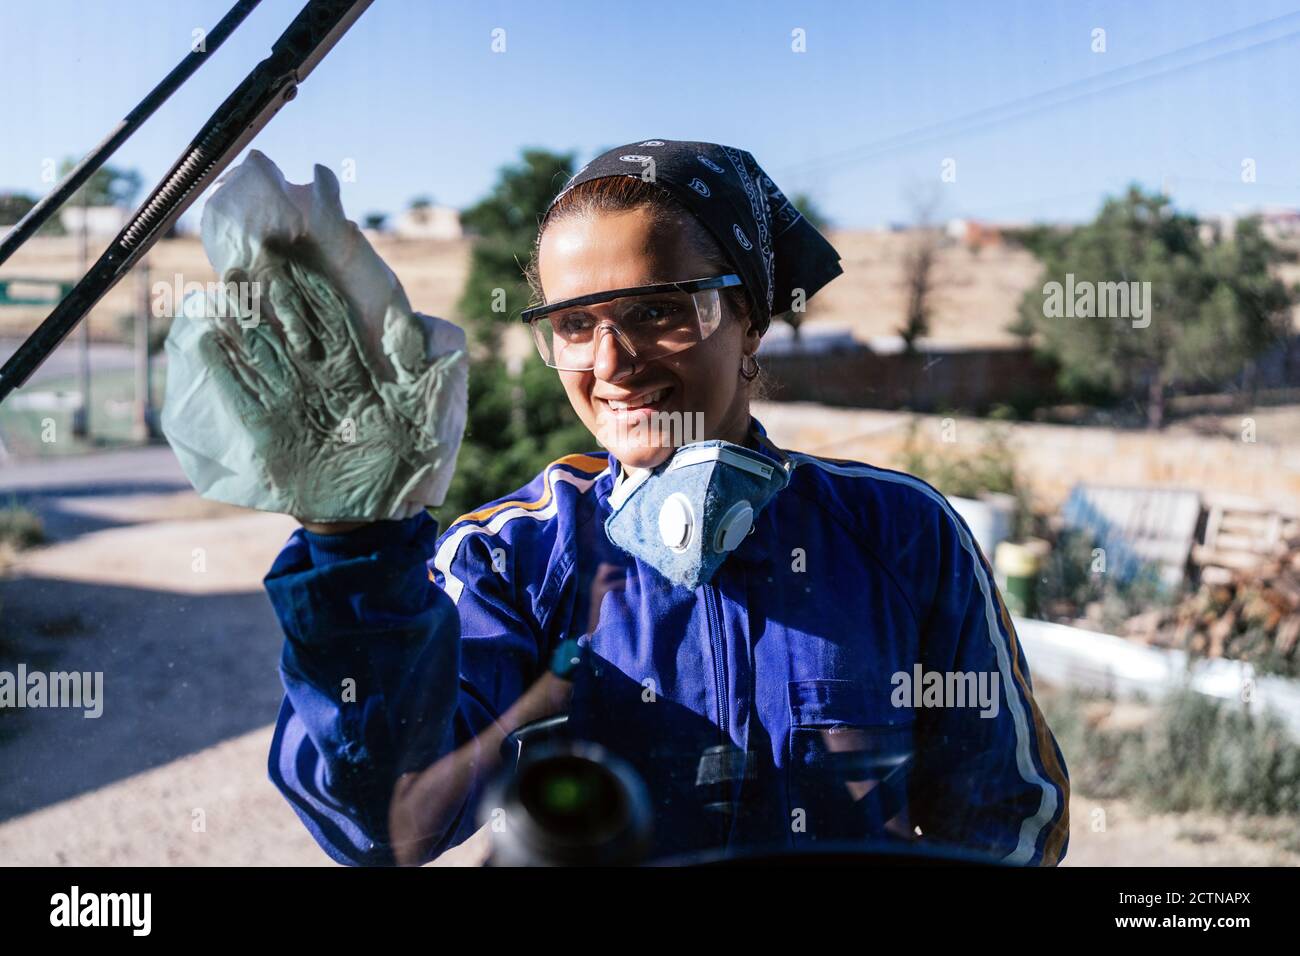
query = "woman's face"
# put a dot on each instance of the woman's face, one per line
(698, 393)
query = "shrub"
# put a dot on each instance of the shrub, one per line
(1195, 753)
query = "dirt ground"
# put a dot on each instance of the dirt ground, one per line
(174, 773)
(171, 613)
(1118, 833)
(154, 819)
(212, 808)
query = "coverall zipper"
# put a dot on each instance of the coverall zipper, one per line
(714, 621)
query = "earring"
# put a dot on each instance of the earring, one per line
(749, 374)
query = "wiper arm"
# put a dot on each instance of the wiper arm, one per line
(36, 216)
(271, 84)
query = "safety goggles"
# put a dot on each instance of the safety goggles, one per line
(648, 321)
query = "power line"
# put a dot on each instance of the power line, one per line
(973, 121)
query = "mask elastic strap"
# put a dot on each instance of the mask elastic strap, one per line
(765, 444)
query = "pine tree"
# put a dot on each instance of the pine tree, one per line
(1213, 305)
(518, 423)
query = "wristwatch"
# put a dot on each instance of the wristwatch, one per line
(568, 657)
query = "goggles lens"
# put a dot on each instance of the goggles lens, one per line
(645, 326)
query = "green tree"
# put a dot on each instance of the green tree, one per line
(1212, 306)
(519, 416)
(517, 425)
(107, 186)
(505, 224)
(811, 210)
(13, 206)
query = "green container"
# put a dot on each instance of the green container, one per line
(1016, 567)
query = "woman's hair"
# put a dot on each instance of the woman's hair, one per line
(624, 193)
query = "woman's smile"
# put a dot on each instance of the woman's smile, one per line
(643, 404)
(644, 400)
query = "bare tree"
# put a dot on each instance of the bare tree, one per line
(920, 266)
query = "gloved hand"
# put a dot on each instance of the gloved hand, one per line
(336, 441)
(279, 400)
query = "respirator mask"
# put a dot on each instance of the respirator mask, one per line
(686, 515)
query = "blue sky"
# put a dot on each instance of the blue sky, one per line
(416, 98)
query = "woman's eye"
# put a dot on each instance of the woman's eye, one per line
(653, 313)
(573, 323)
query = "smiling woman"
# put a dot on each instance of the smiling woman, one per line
(582, 252)
(621, 223)
(718, 614)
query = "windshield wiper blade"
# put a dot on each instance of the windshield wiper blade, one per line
(271, 84)
(36, 216)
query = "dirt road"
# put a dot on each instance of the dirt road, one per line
(174, 772)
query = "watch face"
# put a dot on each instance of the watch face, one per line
(567, 658)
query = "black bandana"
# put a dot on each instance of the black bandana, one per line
(771, 246)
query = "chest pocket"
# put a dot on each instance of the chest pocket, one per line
(848, 759)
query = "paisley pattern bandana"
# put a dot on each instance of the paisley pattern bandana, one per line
(779, 254)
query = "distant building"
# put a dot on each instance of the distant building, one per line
(428, 222)
(894, 344)
(813, 337)
(1216, 228)
(974, 234)
(1280, 223)
(101, 221)
(1277, 223)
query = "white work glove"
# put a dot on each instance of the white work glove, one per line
(286, 407)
